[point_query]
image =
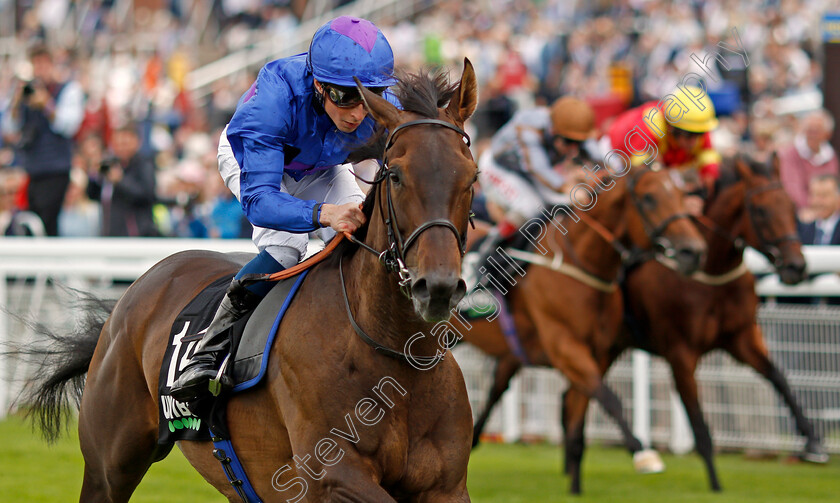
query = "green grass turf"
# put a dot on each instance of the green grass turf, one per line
(33, 472)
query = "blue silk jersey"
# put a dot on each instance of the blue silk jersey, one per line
(279, 127)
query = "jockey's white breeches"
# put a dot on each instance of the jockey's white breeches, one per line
(519, 199)
(335, 185)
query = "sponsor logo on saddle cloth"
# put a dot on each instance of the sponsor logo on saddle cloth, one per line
(176, 421)
(251, 339)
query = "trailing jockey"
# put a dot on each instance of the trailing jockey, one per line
(532, 162)
(674, 133)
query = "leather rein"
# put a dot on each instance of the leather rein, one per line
(393, 257)
(655, 232)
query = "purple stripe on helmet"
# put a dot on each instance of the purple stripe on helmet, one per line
(361, 31)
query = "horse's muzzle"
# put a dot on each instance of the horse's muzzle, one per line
(688, 254)
(436, 295)
(792, 272)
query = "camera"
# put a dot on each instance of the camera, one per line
(28, 89)
(107, 164)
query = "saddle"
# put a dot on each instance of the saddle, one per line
(251, 340)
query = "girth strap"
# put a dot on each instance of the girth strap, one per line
(235, 473)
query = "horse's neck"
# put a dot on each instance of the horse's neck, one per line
(727, 212)
(589, 250)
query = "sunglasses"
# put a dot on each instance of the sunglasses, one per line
(686, 134)
(348, 97)
(567, 140)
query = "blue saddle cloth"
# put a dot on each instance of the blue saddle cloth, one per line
(251, 340)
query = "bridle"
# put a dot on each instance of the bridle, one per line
(770, 246)
(654, 232)
(393, 257)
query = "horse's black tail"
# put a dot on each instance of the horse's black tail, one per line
(61, 361)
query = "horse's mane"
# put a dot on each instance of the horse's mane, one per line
(421, 93)
(729, 175)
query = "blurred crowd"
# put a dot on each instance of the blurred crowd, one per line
(142, 144)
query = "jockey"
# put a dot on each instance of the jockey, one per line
(532, 161)
(282, 155)
(683, 143)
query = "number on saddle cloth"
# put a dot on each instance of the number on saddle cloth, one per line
(251, 338)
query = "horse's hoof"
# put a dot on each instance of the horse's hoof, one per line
(814, 454)
(648, 461)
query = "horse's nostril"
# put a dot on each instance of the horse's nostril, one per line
(460, 292)
(689, 259)
(433, 289)
(687, 254)
(420, 289)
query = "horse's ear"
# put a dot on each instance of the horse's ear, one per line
(463, 102)
(774, 165)
(742, 167)
(378, 107)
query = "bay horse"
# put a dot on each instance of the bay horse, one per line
(569, 319)
(681, 318)
(410, 437)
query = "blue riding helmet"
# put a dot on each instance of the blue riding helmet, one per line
(349, 46)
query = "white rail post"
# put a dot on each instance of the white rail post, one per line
(511, 415)
(641, 396)
(682, 440)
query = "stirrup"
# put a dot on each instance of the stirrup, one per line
(216, 384)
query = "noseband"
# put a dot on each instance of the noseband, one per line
(656, 233)
(393, 258)
(771, 245)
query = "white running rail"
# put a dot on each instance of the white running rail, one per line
(742, 410)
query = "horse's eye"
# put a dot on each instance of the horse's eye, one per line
(394, 177)
(649, 200)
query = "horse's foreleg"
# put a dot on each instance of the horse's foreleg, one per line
(612, 405)
(750, 349)
(573, 416)
(683, 365)
(506, 367)
(575, 360)
(347, 486)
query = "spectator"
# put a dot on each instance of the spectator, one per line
(810, 154)
(79, 217)
(183, 193)
(13, 221)
(824, 199)
(125, 186)
(43, 116)
(225, 218)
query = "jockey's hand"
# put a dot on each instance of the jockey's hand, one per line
(342, 218)
(693, 205)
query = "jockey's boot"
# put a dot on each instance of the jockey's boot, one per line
(202, 373)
